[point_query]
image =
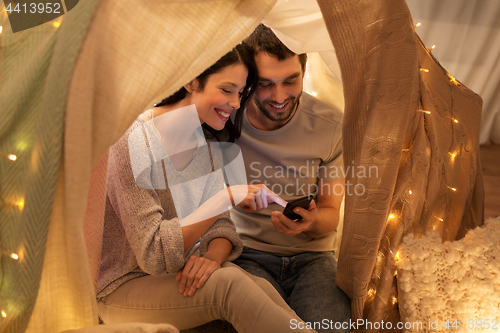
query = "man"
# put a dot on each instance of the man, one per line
(291, 142)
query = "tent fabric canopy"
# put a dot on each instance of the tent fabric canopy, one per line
(133, 53)
(120, 70)
(400, 113)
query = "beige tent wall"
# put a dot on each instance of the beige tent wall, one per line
(134, 52)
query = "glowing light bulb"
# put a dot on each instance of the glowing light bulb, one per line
(424, 70)
(14, 256)
(440, 219)
(20, 203)
(453, 155)
(391, 216)
(418, 25)
(398, 256)
(455, 120)
(433, 47)
(4, 314)
(12, 157)
(56, 24)
(410, 192)
(452, 188)
(425, 111)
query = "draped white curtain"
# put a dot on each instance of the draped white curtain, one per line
(466, 34)
(467, 38)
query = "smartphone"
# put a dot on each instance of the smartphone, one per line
(300, 202)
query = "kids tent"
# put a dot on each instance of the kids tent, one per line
(68, 92)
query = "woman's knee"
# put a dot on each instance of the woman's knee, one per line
(230, 276)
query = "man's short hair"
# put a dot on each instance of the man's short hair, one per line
(264, 39)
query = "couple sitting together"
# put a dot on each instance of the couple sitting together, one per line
(173, 252)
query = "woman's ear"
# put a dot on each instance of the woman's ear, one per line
(191, 86)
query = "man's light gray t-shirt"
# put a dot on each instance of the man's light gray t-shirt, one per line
(290, 160)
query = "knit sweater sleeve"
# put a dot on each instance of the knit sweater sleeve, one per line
(156, 241)
(222, 228)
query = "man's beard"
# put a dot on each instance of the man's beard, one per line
(282, 117)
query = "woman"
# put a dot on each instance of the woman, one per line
(166, 200)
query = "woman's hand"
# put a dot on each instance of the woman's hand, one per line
(195, 273)
(254, 197)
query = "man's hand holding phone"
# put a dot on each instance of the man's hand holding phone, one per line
(301, 218)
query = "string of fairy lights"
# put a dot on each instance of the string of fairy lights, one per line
(19, 204)
(5, 201)
(395, 215)
(6, 255)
